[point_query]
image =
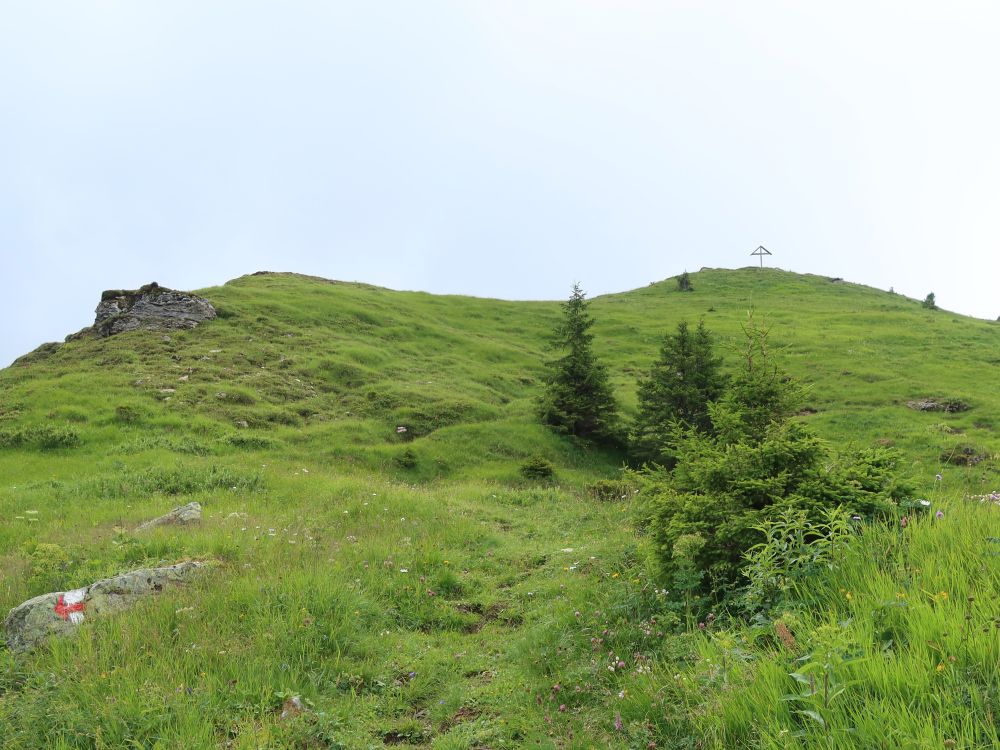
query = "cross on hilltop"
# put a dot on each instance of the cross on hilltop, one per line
(761, 251)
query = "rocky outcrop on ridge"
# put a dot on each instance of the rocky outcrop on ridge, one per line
(60, 613)
(151, 306)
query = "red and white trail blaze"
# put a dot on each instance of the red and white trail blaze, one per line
(69, 605)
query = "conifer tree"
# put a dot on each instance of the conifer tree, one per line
(676, 393)
(578, 398)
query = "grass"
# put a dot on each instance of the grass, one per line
(417, 590)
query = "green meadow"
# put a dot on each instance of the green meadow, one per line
(417, 590)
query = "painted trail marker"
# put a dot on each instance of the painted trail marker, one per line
(761, 251)
(69, 605)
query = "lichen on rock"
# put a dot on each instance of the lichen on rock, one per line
(60, 613)
(181, 516)
(151, 306)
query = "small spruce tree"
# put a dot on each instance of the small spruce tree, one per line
(929, 302)
(578, 399)
(676, 393)
(756, 462)
(684, 283)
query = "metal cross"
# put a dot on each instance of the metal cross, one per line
(761, 251)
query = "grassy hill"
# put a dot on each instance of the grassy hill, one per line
(413, 586)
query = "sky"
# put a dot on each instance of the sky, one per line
(501, 149)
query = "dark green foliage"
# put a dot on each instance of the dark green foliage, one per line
(684, 283)
(249, 441)
(406, 460)
(929, 302)
(758, 394)
(676, 393)
(42, 437)
(753, 464)
(578, 399)
(537, 467)
(127, 414)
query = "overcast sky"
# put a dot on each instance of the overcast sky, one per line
(498, 149)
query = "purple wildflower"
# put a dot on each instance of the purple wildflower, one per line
(618, 721)
(939, 515)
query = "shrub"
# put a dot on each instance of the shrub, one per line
(249, 441)
(43, 437)
(929, 302)
(127, 414)
(753, 466)
(684, 283)
(406, 460)
(537, 467)
(794, 550)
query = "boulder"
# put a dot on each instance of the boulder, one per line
(151, 306)
(60, 613)
(185, 514)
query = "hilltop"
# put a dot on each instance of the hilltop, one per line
(302, 357)
(411, 584)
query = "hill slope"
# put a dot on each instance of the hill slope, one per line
(412, 585)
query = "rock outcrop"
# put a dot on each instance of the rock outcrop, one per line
(151, 306)
(60, 613)
(185, 514)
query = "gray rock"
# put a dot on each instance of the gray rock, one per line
(60, 613)
(151, 306)
(185, 514)
(951, 405)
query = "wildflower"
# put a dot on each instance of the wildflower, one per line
(938, 477)
(618, 721)
(903, 522)
(940, 667)
(939, 515)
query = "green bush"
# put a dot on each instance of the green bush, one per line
(127, 414)
(537, 467)
(753, 466)
(406, 460)
(249, 441)
(42, 437)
